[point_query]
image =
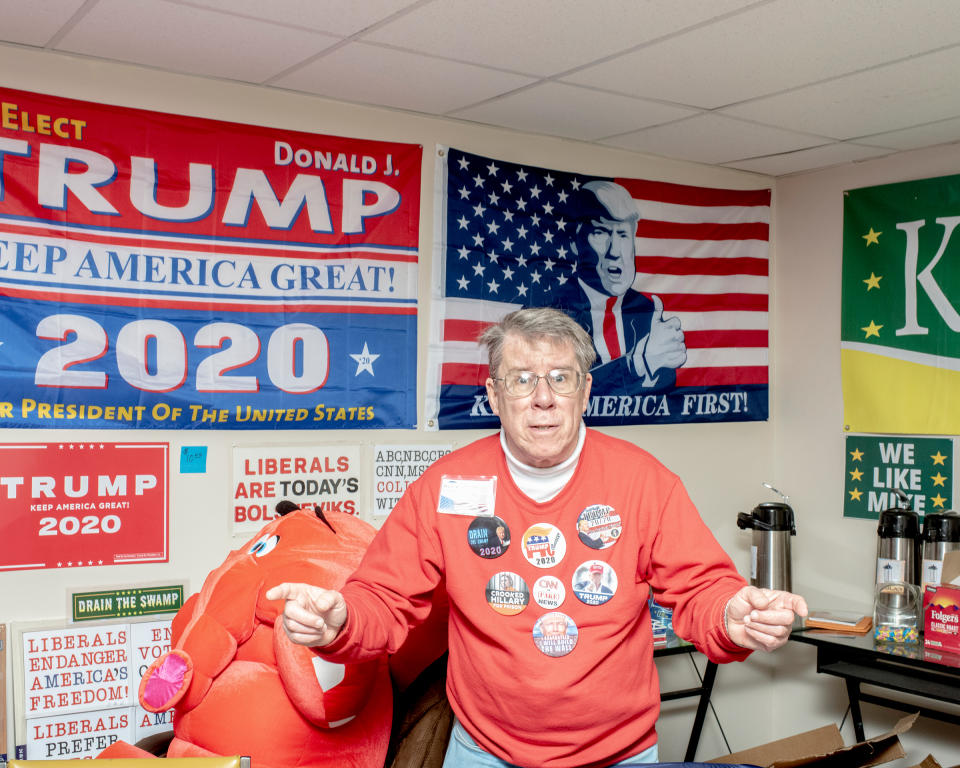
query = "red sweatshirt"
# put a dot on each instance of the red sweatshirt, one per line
(536, 681)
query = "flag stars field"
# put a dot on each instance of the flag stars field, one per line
(872, 237)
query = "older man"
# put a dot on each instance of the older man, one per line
(569, 680)
(637, 348)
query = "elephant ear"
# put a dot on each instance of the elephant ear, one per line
(326, 693)
(166, 681)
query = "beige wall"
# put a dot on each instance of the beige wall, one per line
(834, 557)
(799, 450)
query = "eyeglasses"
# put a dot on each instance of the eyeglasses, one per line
(562, 381)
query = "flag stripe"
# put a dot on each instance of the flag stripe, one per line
(729, 338)
(703, 377)
(464, 374)
(703, 230)
(687, 195)
(653, 283)
(658, 210)
(706, 249)
(672, 265)
(694, 302)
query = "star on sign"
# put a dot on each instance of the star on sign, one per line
(855, 494)
(871, 330)
(938, 479)
(938, 500)
(856, 454)
(873, 282)
(856, 474)
(872, 238)
(938, 458)
(365, 360)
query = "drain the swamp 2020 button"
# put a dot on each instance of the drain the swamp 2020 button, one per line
(599, 526)
(594, 582)
(489, 537)
(555, 634)
(544, 545)
(507, 593)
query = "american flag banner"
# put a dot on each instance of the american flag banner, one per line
(670, 281)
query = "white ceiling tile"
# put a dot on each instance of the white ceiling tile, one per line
(542, 37)
(336, 17)
(884, 99)
(713, 139)
(373, 75)
(809, 159)
(776, 46)
(566, 110)
(34, 23)
(941, 132)
(187, 39)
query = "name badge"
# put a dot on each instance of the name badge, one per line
(472, 496)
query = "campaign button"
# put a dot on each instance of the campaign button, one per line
(555, 634)
(544, 545)
(488, 537)
(594, 582)
(599, 526)
(507, 593)
(549, 592)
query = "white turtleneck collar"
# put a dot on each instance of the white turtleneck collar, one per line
(543, 483)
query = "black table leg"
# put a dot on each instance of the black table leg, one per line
(709, 675)
(853, 694)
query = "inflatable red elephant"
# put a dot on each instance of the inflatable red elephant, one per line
(237, 683)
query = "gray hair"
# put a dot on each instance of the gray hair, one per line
(615, 199)
(534, 323)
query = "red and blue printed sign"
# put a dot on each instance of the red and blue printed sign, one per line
(166, 271)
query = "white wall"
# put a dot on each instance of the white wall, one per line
(834, 557)
(798, 450)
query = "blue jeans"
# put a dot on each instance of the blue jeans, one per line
(463, 752)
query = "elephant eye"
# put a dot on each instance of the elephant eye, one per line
(264, 545)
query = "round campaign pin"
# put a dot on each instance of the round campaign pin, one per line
(594, 582)
(507, 593)
(549, 592)
(544, 545)
(489, 537)
(599, 526)
(555, 634)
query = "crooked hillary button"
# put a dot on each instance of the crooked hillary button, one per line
(594, 582)
(507, 593)
(544, 545)
(599, 526)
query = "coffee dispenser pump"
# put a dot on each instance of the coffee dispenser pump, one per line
(898, 542)
(772, 524)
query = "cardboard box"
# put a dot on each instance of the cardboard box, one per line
(941, 608)
(824, 748)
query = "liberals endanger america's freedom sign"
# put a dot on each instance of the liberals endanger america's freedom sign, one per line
(166, 271)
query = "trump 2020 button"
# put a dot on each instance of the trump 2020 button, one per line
(543, 545)
(594, 582)
(599, 526)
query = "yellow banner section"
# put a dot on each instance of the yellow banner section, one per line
(881, 394)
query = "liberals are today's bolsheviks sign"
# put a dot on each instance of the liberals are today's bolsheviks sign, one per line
(166, 271)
